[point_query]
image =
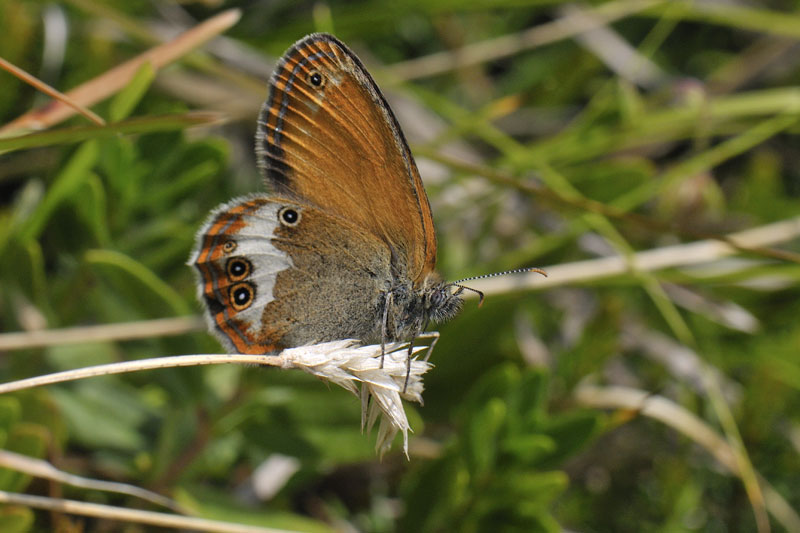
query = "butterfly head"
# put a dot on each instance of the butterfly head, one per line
(440, 301)
(444, 302)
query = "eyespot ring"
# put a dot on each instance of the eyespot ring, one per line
(229, 246)
(241, 296)
(238, 268)
(315, 79)
(289, 216)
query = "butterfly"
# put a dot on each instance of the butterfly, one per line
(344, 245)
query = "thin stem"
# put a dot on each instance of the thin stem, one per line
(131, 515)
(143, 329)
(507, 45)
(680, 255)
(136, 366)
(43, 469)
(673, 415)
(51, 91)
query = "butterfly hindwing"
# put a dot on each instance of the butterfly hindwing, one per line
(276, 273)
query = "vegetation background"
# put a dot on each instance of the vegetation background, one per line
(656, 398)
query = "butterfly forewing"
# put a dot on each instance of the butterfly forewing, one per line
(327, 137)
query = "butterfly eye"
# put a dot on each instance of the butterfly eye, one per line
(241, 296)
(238, 268)
(437, 298)
(315, 79)
(229, 246)
(289, 216)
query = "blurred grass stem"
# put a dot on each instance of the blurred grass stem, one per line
(130, 515)
(673, 415)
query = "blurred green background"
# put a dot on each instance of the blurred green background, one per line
(670, 122)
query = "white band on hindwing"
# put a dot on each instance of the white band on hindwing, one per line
(253, 237)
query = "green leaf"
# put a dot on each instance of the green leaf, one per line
(527, 449)
(572, 431)
(15, 519)
(10, 410)
(185, 182)
(65, 185)
(126, 100)
(91, 204)
(102, 413)
(529, 397)
(482, 436)
(26, 439)
(132, 277)
(219, 504)
(494, 383)
(434, 493)
(128, 127)
(535, 488)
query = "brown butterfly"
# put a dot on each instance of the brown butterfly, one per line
(344, 246)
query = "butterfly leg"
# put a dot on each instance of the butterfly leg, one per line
(408, 362)
(434, 335)
(419, 334)
(385, 325)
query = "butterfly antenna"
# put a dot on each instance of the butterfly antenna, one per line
(495, 274)
(458, 283)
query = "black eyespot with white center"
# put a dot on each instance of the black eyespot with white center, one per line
(238, 268)
(241, 296)
(316, 79)
(289, 216)
(229, 246)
